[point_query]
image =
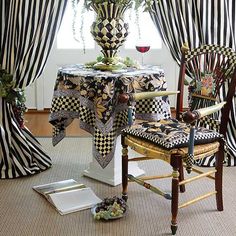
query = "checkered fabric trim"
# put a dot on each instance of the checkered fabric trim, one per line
(189, 161)
(65, 104)
(104, 143)
(170, 133)
(209, 123)
(87, 116)
(56, 131)
(149, 106)
(121, 119)
(166, 114)
(152, 106)
(228, 52)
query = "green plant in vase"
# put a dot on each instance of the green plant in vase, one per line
(109, 29)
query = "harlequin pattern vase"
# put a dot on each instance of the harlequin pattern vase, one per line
(109, 31)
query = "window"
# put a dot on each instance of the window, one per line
(148, 31)
(65, 38)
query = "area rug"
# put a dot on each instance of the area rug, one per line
(25, 213)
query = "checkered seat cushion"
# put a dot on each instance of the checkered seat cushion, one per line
(170, 133)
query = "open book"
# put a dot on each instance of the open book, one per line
(68, 196)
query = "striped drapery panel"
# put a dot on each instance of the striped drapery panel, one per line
(196, 22)
(28, 29)
(199, 22)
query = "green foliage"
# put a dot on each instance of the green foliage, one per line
(99, 58)
(126, 61)
(6, 84)
(129, 62)
(12, 95)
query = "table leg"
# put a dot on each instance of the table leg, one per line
(112, 173)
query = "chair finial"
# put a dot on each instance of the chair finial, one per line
(185, 48)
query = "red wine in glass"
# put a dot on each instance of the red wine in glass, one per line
(142, 49)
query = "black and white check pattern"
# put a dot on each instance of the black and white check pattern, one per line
(56, 131)
(189, 161)
(64, 103)
(104, 143)
(149, 106)
(228, 52)
(87, 116)
(170, 135)
(102, 29)
(152, 106)
(121, 119)
(209, 123)
(68, 104)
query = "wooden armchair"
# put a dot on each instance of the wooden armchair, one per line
(182, 143)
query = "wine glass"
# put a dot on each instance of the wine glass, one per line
(142, 47)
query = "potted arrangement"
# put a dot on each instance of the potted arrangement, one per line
(109, 29)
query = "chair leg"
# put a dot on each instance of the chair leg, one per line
(124, 172)
(175, 163)
(218, 177)
(181, 177)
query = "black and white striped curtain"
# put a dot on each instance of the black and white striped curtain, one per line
(196, 22)
(199, 22)
(28, 29)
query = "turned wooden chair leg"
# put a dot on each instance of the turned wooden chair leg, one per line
(175, 163)
(181, 177)
(124, 171)
(218, 176)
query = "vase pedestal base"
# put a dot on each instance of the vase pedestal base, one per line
(112, 173)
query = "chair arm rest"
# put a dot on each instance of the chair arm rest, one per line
(125, 98)
(191, 116)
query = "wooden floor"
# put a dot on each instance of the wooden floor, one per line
(38, 124)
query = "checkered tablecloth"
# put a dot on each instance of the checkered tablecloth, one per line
(91, 96)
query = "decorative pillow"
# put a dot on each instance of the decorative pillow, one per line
(171, 133)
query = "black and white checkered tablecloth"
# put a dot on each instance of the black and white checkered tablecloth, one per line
(91, 96)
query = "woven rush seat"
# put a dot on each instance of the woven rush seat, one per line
(171, 133)
(170, 136)
(152, 150)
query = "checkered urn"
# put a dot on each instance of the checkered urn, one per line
(109, 30)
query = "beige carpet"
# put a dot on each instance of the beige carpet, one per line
(23, 212)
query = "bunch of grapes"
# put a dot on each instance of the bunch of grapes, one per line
(110, 208)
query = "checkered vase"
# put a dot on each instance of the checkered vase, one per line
(109, 30)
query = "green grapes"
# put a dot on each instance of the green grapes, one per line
(110, 208)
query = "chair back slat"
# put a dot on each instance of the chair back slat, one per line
(211, 74)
